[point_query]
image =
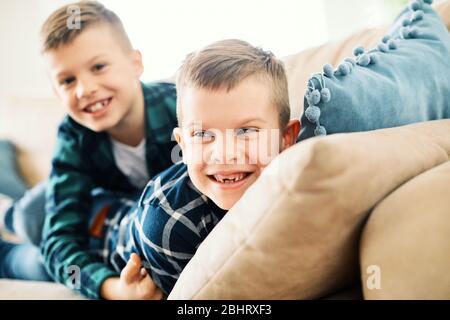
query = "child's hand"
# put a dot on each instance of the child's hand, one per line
(134, 284)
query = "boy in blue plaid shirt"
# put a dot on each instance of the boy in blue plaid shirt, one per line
(232, 98)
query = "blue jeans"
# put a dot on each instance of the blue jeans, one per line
(27, 215)
(25, 218)
(24, 261)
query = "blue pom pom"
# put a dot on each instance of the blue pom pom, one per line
(307, 95)
(314, 97)
(415, 5)
(351, 61)
(392, 44)
(383, 47)
(358, 51)
(428, 1)
(405, 33)
(344, 69)
(406, 22)
(320, 131)
(326, 95)
(328, 70)
(373, 59)
(417, 15)
(350, 65)
(413, 32)
(312, 114)
(385, 39)
(363, 60)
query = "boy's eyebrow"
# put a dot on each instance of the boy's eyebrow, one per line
(243, 123)
(250, 120)
(64, 72)
(95, 57)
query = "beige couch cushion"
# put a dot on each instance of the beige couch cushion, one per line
(31, 124)
(407, 240)
(295, 233)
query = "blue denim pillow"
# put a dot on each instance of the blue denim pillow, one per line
(11, 183)
(405, 79)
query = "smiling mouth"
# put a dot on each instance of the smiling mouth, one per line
(97, 106)
(229, 178)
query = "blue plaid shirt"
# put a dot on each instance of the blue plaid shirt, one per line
(165, 228)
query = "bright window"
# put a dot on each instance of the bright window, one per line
(166, 31)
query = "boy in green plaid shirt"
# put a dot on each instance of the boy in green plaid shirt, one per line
(117, 136)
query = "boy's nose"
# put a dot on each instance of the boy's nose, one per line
(86, 87)
(224, 150)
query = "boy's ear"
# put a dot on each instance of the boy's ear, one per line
(290, 133)
(178, 134)
(137, 62)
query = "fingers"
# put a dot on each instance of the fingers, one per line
(136, 259)
(148, 283)
(158, 295)
(149, 286)
(132, 270)
(135, 274)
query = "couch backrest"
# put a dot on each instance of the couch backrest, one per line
(31, 124)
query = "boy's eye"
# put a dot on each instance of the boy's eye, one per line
(67, 81)
(99, 66)
(203, 135)
(247, 132)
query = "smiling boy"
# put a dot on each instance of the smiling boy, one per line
(116, 136)
(231, 96)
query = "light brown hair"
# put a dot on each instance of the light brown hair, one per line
(224, 64)
(56, 32)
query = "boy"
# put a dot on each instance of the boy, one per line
(117, 135)
(231, 97)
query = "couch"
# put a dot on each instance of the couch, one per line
(396, 222)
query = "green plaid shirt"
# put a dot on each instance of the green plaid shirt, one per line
(84, 160)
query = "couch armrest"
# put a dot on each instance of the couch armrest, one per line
(407, 239)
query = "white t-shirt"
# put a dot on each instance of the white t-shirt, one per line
(131, 161)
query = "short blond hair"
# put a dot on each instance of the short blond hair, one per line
(225, 64)
(55, 31)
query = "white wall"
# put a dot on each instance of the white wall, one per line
(347, 16)
(21, 68)
(166, 30)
